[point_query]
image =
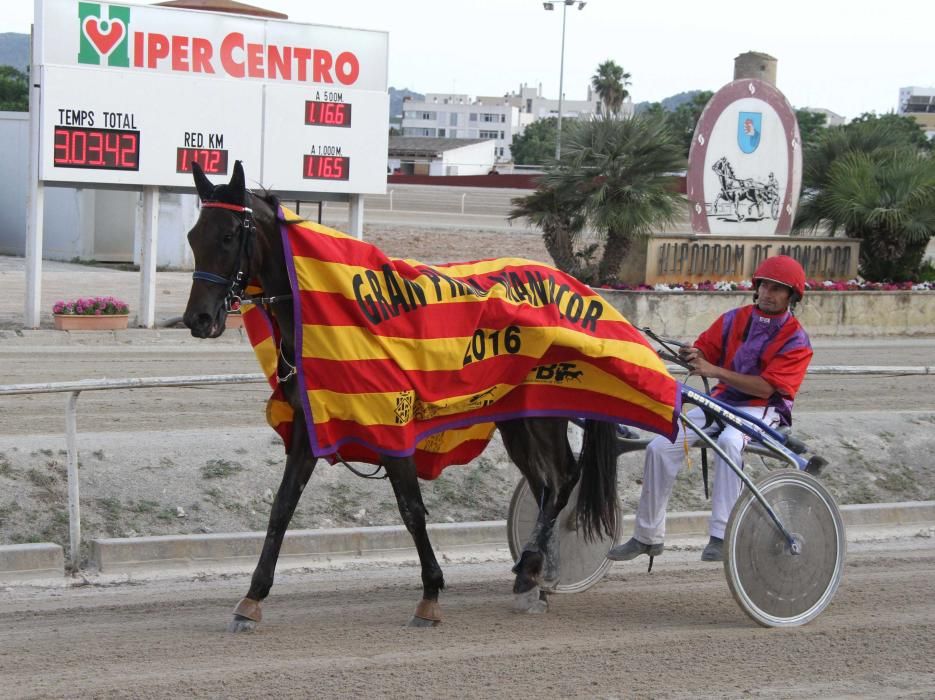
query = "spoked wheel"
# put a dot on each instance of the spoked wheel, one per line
(581, 563)
(771, 584)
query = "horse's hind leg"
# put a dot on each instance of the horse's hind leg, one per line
(402, 475)
(540, 449)
(299, 467)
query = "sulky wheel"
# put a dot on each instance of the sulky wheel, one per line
(581, 563)
(773, 586)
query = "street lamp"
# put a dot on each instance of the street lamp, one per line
(561, 71)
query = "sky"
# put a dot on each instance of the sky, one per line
(844, 56)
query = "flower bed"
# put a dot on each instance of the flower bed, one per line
(92, 306)
(855, 285)
(91, 313)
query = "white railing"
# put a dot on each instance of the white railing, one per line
(74, 389)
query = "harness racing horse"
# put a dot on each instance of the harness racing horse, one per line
(735, 190)
(237, 238)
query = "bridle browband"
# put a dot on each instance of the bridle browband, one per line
(238, 281)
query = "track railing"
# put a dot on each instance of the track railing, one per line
(74, 389)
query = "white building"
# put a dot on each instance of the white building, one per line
(410, 155)
(497, 118)
(457, 117)
(919, 103)
(831, 118)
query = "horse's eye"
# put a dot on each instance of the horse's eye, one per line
(228, 237)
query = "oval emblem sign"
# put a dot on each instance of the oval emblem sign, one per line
(745, 162)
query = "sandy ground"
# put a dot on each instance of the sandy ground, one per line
(675, 633)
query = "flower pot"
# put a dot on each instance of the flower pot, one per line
(75, 322)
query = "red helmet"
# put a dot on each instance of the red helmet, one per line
(783, 270)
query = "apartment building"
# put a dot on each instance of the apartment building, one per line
(497, 117)
(919, 103)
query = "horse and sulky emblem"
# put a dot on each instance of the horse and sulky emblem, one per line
(738, 197)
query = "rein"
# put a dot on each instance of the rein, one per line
(236, 283)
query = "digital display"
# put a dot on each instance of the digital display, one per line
(102, 149)
(326, 167)
(327, 114)
(212, 160)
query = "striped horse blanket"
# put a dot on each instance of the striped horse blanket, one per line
(400, 358)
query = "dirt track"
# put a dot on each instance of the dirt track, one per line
(674, 633)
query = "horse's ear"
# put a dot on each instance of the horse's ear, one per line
(202, 183)
(237, 184)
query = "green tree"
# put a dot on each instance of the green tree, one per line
(614, 177)
(908, 127)
(683, 120)
(872, 180)
(14, 90)
(810, 124)
(610, 83)
(536, 145)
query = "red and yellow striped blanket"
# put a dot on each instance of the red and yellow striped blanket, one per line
(401, 358)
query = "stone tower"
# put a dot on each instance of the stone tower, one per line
(756, 65)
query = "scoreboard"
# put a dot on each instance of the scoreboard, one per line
(134, 95)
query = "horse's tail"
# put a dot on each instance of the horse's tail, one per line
(597, 491)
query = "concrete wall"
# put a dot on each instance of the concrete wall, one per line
(686, 314)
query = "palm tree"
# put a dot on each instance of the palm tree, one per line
(559, 216)
(887, 200)
(610, 83)
(869, 180)
(616, 177)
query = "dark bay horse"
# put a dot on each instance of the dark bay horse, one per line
(236, 238)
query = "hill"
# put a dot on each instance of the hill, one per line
(669, 104)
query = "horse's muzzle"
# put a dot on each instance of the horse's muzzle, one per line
(204, 325)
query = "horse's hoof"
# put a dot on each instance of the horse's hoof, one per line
(532, 601)
(428, 614)
(241, 624)
(417, 621)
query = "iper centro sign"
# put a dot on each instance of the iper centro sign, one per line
(106, 37)
(132, 95)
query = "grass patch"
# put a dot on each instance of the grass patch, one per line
(143, 507)
(166, 463)
(220, 469)
(42, 479)
(6, 467)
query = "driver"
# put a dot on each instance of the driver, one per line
(759, 354)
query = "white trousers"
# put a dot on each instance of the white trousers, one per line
(662, 464)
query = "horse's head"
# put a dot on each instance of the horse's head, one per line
(221, 240)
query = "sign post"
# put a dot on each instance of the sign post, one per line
(132, 95)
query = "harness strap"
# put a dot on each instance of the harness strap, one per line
(209, 277)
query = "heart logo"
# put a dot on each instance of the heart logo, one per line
(104, 40)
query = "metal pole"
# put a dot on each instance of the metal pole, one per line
(561, 78)
(146, 318)
(35, 198)
(74, 509)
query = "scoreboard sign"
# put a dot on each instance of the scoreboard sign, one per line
(133, 95)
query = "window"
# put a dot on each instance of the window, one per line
(487, 117)
(502, 118)
(473, 117)
(454, 119)
(427, 116)
(487, 134)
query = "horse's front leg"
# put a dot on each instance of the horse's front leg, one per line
(299, 467)
(402, 475)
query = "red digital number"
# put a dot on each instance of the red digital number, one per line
(212, 160)
(326, 167)
(104, 149)
(327, 114)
